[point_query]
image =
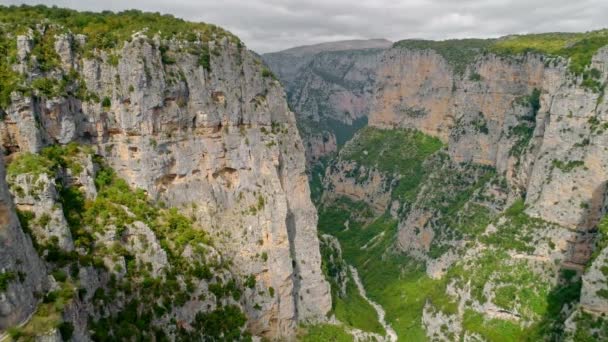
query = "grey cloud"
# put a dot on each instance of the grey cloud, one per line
(272, 25)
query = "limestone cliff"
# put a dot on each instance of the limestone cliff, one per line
(23, 273)
(193, 122)
(485, 168)
(330, 88)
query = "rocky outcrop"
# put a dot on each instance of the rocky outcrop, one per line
(216, 141)
(22, 273)
(594, 293)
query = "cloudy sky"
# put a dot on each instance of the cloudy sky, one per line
(271, 25)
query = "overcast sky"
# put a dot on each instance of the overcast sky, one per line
(271, 25)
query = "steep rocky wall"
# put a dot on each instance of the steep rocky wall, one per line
(22, 272)
(218, 142)
(485, 116)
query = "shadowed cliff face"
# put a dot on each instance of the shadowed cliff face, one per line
(23, 271)
(215, 139)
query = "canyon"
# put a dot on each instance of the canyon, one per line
(162, 182)
(472, 204)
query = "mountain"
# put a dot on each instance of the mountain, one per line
(286, 63)
(154, 185)
(473, 205)
(330, 88)
(157, 184)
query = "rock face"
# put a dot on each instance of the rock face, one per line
(216, 141)
(22, 272)
(516, 186)
(330, 87)
(482, 120)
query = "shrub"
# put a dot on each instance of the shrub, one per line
(475, 77)
(267, 73)
(250, 281)
(106, 102)
(5, 279)
(48, 87)
(67, 330)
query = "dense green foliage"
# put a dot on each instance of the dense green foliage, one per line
(5, 278)
(138, 296)
(9, 79)
(103, 31)
(391, 151)
(578, 47)
(589, 328)
(347, 304)
(459, 53)
(107, 29)
(324, 332)
(386, 275)
(399, 153)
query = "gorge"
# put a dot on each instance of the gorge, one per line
(161, 182)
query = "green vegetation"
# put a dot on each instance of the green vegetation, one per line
(47, 315)
(589, 328)
(391, 151)
(204, 57)
(395, 281)
(495, 330)
(449, 194)
(355, 311)
(516, 233)
(5, 279)
(31, 163)
(267, 73)
(475, 77)
(140, 296)
(324, 332)
(348, 305)
(524, 130)
(106, 102)
(103, 31)
(567, 166)
(460, 206)
(459, 53)
(316, 174)
(10, 80)
(398, 153)
(222, 324)
(508, 275)
(578, 47)
(523, 133)
(108, 30)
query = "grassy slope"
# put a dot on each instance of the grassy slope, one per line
(386, 276)
(324, 332)
(356, 312)
(397, 283)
